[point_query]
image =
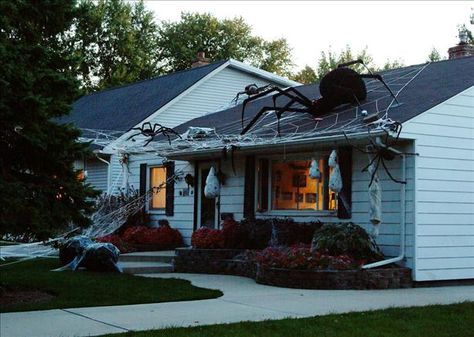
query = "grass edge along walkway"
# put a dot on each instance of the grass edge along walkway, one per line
(455, 320)
(89, 289)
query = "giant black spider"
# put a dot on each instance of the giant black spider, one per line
(381, 150)
(340, 86)
(151, 132)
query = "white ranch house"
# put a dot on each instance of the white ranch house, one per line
(435, 207)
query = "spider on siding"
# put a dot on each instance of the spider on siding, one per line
(381, 150)
(151, 132)
(340, 86)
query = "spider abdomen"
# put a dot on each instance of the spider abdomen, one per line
(342, 86)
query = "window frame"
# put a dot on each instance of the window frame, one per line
(149, 209)
(290, 212)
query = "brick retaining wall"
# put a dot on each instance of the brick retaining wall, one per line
(227, 261)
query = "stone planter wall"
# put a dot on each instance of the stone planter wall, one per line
(383, 278)
(212, 261)
(224, 261)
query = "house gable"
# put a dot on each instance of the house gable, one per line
(214, 92)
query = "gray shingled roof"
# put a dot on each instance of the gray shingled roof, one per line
(434, 84)
(123, 107)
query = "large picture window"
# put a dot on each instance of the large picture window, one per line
(291, 188)
(158, 183)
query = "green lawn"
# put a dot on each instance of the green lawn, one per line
(433, 321)
(84, 289)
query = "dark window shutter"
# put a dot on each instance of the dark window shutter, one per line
(263, 185)
(170, 188)
(142, 179)
(249, 188)
(344, 157)
(196, 195)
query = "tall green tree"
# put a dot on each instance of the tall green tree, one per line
(220, 39)
(40, 189)
(434, 55)
(307, 75)
(116, 42)
(329, 60)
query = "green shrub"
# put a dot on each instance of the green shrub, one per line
(346, 238)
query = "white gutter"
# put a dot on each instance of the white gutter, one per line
(267, 146)
(401, 256)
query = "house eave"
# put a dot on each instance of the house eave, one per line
(300, 145)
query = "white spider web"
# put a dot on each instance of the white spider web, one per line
(299, 126)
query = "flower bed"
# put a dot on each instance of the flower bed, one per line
(142, 238)
(234, 262)
(302, 255)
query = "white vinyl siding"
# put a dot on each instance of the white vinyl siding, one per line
(97, 174)
(213, 94)
(116, 174)
(445, 189)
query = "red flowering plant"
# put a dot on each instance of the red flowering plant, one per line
(208, 238)
(162, 237)
(118, 242)
(300, 257)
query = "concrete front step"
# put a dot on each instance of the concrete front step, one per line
(145, 267)
(159, 256)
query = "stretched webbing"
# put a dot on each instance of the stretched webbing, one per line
(103, 223)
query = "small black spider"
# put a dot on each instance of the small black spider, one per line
(151, 132)
(252, 90)
(340, 86)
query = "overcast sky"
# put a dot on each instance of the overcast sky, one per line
(391, 30)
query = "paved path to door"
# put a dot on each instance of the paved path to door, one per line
(243, 300)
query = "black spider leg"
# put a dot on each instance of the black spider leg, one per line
(150, 138)
(252, 98)
(304, 100)
(269, 108)
(379, 77)
(390, 175)
(233, 148)
(354, 146)
(135, 134)
(278, 114)
(376, 156)
(166, 134)
(376, 168)
(346, 64)
(147, 123)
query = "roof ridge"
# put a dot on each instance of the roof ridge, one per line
(216, 63)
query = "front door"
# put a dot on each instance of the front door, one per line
(207, 208)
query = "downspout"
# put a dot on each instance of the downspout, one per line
(401, 256)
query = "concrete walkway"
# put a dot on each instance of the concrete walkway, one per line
(243, 300)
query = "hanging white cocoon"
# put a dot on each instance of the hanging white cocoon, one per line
(335, 180)
(332, 161)
(212, 188)
(314, 172)
(375, 201)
